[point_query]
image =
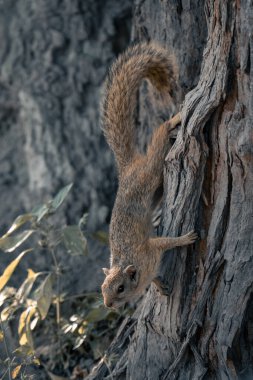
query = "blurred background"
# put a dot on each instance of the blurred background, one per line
(54, 56)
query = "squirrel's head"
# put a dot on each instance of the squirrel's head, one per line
(120, 285)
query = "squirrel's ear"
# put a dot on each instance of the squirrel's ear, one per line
(131, 271)
(106, 271)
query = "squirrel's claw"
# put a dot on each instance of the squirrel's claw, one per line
(190, 237)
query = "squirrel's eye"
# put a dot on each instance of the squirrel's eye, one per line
(121, 289)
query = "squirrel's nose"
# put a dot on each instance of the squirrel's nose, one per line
(108, 304)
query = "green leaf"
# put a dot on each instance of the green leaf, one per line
(101, 236)
(97, 315)
(44, 294)
(8, 312)
(43, 210)
(25, 350)
(28, 331)
(74, 318)
(7, 294)
(26, 286)
(24, 329)
(59, 198)
(10, 269)
(25, 318)
(66, 328)
(79, 341)
(34, 322)
(74, 241)
(10, 243)
(36, 361)
(22, 319)
(40, 211)
(18, 222)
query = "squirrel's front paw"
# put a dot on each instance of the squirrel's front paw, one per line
(190, 238)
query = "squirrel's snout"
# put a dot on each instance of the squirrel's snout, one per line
(108, 304)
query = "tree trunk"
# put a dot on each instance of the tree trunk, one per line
(203, 330)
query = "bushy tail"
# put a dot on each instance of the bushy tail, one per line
(141, 61)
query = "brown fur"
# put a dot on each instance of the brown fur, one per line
(135, 256)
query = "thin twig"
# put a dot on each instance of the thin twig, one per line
(58, 311)
(6, 347)
(8, 369)
(68, 298)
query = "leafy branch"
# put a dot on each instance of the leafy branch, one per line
(88, 331)
(34, 306)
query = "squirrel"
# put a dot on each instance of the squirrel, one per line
(135, 254)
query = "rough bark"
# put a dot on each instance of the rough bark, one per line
(203, 330)
(54, 55)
